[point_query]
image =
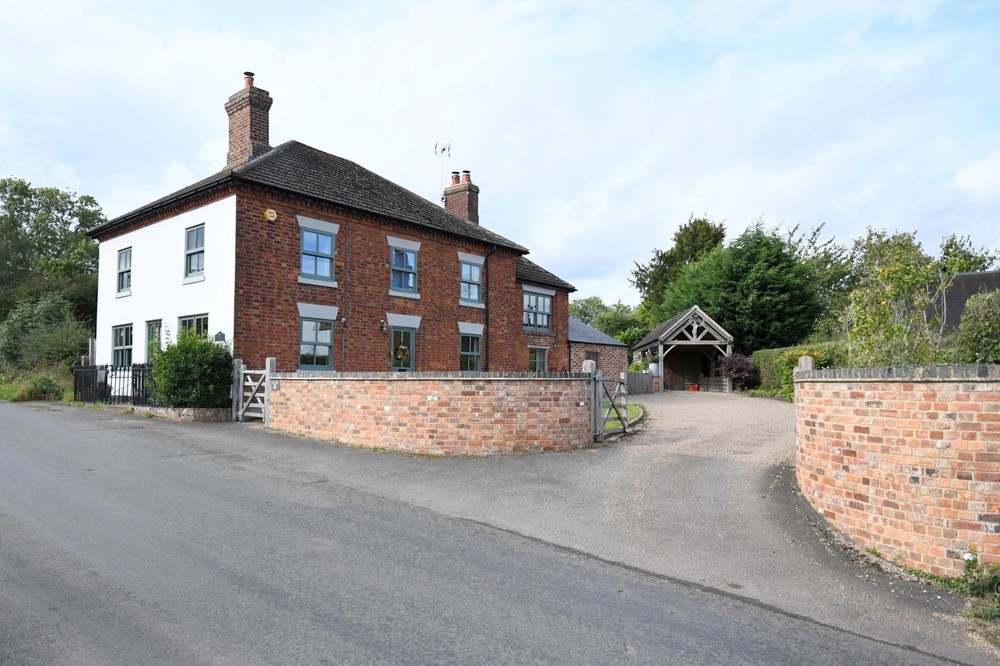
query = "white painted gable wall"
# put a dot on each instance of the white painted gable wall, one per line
(158, 288)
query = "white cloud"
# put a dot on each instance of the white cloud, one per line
(981, 179)
(594, 129)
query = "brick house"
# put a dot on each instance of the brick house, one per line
(587, 343)
(298, 254)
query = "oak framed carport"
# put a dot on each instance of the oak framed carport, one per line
(687, 348)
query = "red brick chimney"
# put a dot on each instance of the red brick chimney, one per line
(462, 197)
(248, 123)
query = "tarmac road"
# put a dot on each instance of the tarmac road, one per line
(128, 540)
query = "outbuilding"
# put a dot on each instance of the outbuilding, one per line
(686, 350)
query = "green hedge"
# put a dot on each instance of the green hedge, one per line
(776, 367)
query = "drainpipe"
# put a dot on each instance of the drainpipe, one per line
(343, 316)
(486, 302)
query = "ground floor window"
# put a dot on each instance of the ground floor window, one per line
(154, 330)
(316, 344)
(590, 356)
(402, 349)
(196, 323)
(121, 346)
(538, 359)
(470, 353)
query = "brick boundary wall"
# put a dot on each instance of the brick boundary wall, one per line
(437, 413)
(904, 460)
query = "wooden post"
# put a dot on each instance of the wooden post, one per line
(270, 368)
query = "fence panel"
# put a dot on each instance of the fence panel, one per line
(639, 383)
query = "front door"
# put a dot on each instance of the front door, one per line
(402, 349)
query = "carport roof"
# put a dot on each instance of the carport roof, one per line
(667, 328)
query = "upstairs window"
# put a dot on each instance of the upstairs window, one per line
(404, 270)
(318, 245)
(194, 251)
(537, 311)
(472, 283)
(317, 255)
(403, 267)
(125, 270)
(121, 346)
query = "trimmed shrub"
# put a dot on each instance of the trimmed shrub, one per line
(978, 338)
(776, 367)
(739, 369)
(194, 372)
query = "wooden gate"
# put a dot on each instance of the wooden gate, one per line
(253, 391)
(610, 400)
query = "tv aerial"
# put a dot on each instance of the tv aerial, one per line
(442, 149)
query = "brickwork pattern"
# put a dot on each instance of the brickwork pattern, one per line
(906, 462)
(611, 360)
(436, 413)
(268, 290)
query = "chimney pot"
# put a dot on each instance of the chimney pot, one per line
(248, 112)
(462, 196)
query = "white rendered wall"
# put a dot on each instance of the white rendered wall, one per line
(158, 285)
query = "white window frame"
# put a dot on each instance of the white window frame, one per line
(125, 272)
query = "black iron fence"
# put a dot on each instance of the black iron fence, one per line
(116, 386)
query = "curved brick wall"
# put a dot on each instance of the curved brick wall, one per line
(904, 460)
(437, 413)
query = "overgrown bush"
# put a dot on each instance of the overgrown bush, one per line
(776, 367)
(194, 372)
(42, 332)
(978, 338)
(40, 387)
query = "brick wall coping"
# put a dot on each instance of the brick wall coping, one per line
(425, 375)
(927, 373)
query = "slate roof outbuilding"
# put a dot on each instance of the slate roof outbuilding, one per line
(587, 334)
(965, 286)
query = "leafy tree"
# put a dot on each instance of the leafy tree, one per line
(691, 242)
(588, 309)
(42, 332)
(831, 265)
(622, 322)
(45, 247)
(897, 309)
(757, 289)
(194, 372)
(978, 338)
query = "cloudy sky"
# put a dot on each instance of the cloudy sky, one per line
(594, 129)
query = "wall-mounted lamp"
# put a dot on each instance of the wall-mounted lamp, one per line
(382, 325)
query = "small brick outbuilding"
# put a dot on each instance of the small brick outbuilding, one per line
(587, 343)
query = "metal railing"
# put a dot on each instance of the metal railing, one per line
(116, 386)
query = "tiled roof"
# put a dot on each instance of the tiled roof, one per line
(581, 332)
(964, 287)
(528, 271)
(300, 169)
